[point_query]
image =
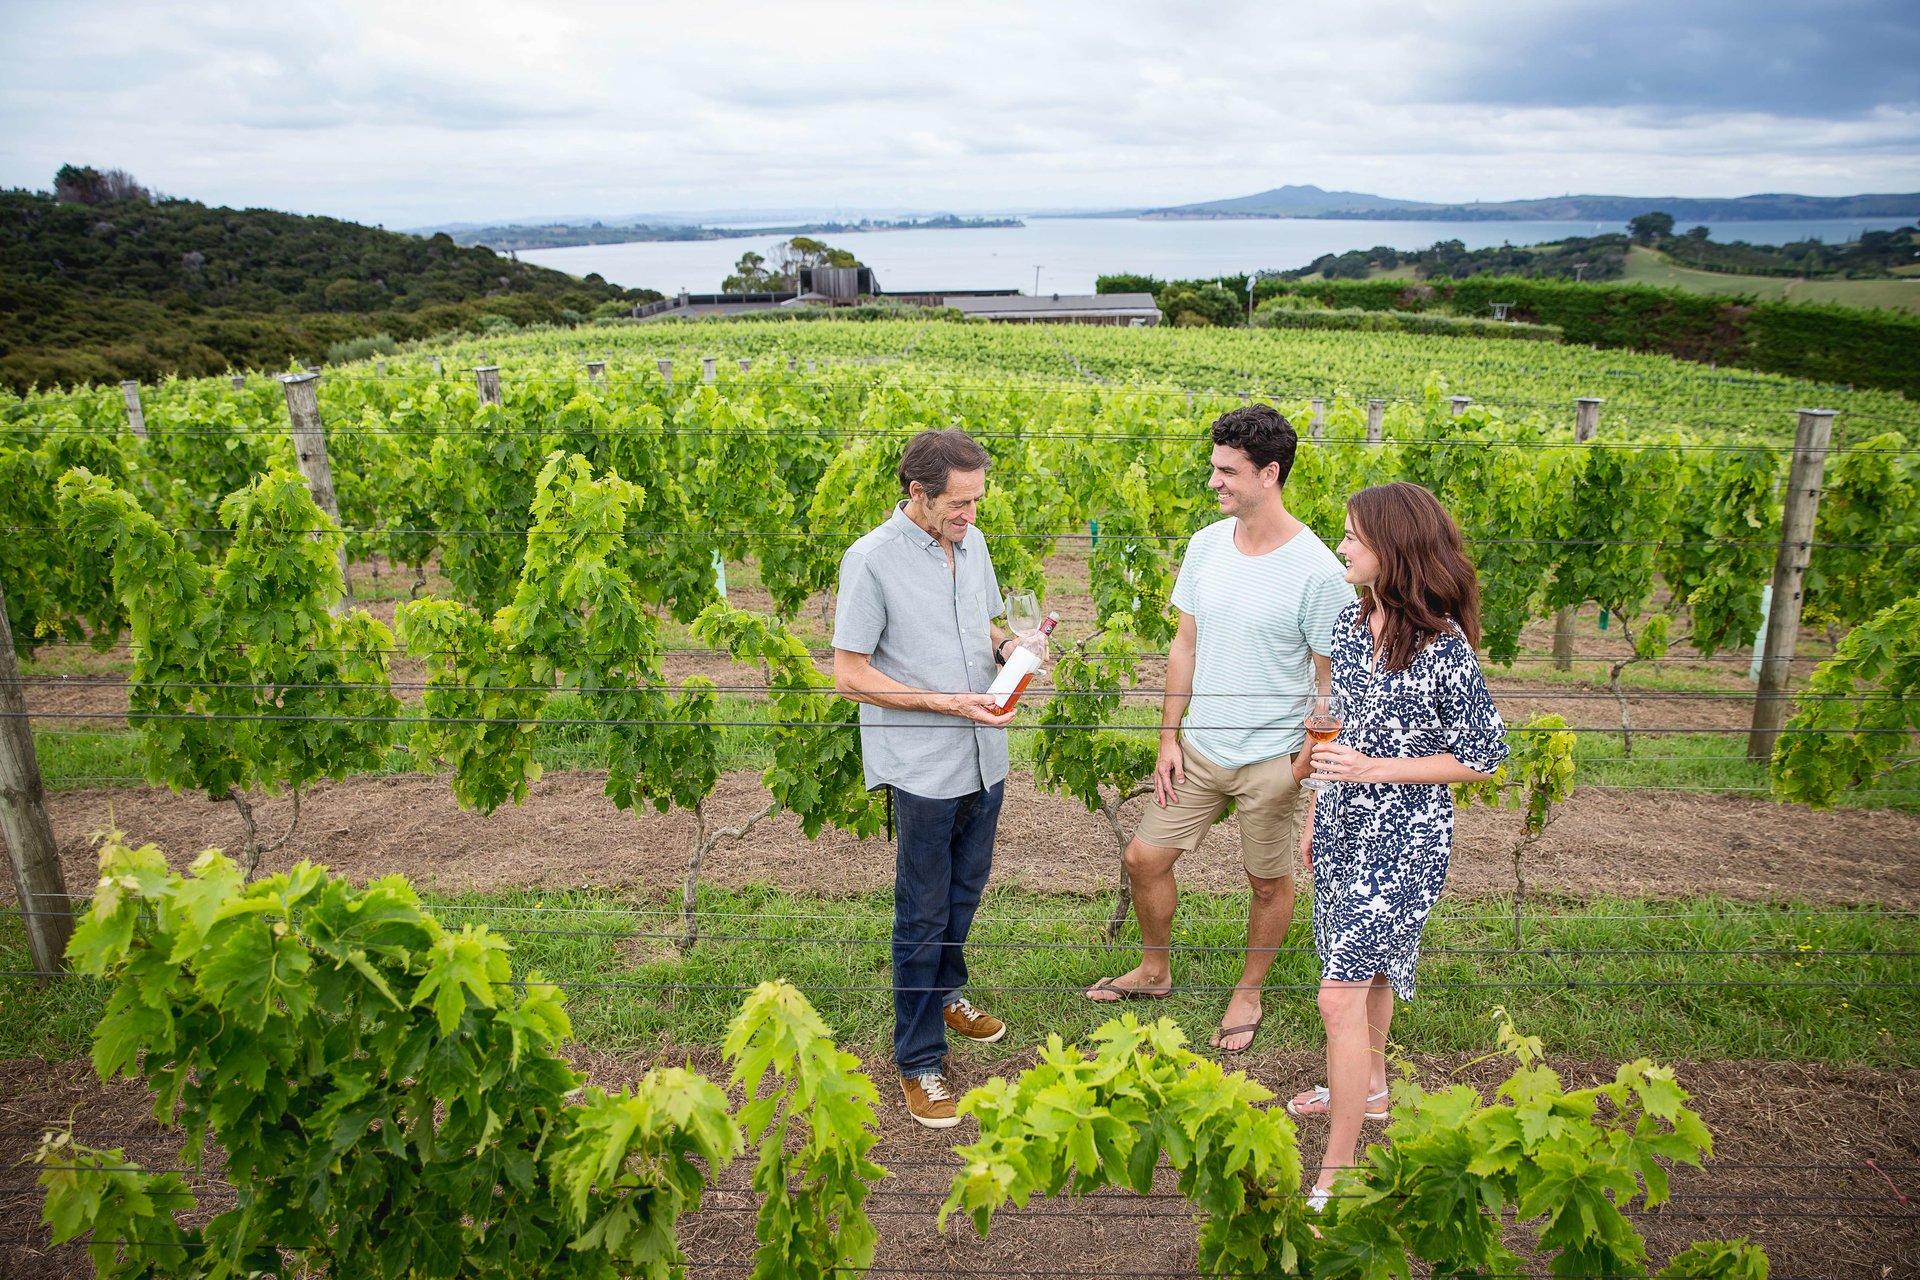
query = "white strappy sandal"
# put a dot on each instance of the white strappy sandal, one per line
(1321, 1098)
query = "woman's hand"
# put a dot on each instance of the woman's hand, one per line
(1335, 763)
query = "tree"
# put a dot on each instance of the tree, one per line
(803, 253)
(87, 185)
(1649, 227)
(1699, 234)
(750, 274)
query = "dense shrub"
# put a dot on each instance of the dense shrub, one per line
(1275, 314)
(379, 344)
(1190, 306)
(1129, 282)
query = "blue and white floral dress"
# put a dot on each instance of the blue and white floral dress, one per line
(1380, 850)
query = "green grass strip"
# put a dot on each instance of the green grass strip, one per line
(1693, 979)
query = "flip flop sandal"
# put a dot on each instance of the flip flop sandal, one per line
(1324, 1099)
(1122, 993)
(1221, 1033)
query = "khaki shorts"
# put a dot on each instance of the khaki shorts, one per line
(1266, 799)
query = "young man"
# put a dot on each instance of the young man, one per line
(914, 641)
(1257, 594)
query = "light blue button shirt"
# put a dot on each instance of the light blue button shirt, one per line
(929, 627)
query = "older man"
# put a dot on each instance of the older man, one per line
(914, 641)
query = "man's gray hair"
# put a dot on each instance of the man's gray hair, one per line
(932, 456)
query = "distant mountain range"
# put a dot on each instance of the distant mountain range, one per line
(1312, 202)
(563, 236)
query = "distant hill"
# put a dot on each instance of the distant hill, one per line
(1290, 202)
(132, 288)
(517, 237)
(1312, 202)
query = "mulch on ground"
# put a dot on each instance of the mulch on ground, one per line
(1844, 1222)
(568, 834)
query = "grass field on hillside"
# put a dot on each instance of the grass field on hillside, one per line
(1644, 266)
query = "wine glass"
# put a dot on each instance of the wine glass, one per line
(1023, 612)
(1325, 714)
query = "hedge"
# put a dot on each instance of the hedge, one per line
(1830, 344)
(1359, 318)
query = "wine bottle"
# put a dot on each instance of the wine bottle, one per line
(1020, 669)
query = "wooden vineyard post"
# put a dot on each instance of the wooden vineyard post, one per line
(136, 418)
(746, 365)
(487, 379)
(310, 447)
(809, 366)
(597, 373)
(239, 381)
(437, 368)
(1319, 406)
(708, 374)
(1459, 404)
(666, 370)
(1586, 418)
(1804, 477)
(1586, 425)
(380, 368)
(1376, 420)
(23, 820)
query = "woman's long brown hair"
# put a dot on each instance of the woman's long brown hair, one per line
(1425, 582)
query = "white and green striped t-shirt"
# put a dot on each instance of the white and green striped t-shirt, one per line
(1256, 619)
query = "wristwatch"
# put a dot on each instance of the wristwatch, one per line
(1000, 651)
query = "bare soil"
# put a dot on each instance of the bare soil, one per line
(568, 834)
(1843, 1221)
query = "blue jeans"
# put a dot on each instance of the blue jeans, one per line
(945, 849)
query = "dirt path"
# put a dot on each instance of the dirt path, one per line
(568, 833)
(1761, 1114)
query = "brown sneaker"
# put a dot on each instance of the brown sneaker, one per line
(930, 1101)
(968, 1021)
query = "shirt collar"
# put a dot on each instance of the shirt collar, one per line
(914, 534)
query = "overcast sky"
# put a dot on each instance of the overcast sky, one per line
(410, 113)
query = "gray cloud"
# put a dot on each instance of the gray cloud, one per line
(1831, 60)
(445, 110)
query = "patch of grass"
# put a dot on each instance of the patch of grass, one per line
(75, 661)
(71, 760)
(1706, 762)
(1611, 979)
(1645, 266)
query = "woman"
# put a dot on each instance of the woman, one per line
(1418, 717)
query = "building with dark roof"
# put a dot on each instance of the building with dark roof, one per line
(1137, 309)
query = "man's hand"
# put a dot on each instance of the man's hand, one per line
(1169, 769)
(1306, 844)
(1303, 763)
(1033, 640)
(979, 707)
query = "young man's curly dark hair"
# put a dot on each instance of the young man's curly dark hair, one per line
(1260, 432)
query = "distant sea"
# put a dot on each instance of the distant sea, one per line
(1070, 252)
